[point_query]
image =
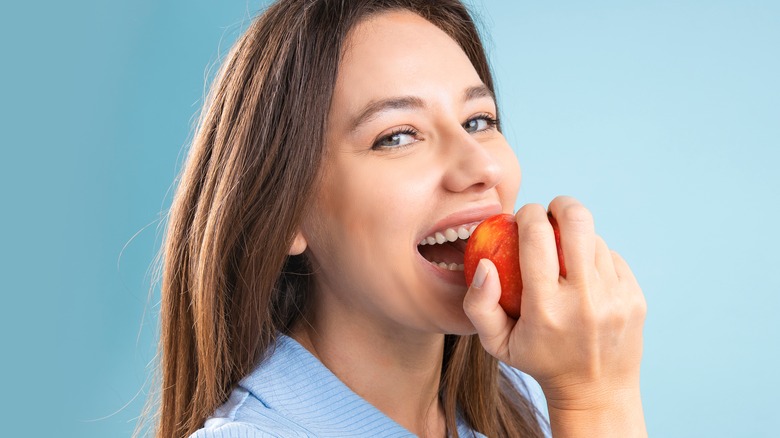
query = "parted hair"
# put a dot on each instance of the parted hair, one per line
(229, 286)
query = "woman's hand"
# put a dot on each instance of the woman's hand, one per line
(580, 336)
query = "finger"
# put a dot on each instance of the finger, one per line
(578, 237)
(538, 254)
(604, 263)
(626, 277)
(622, 269)
(482, 308)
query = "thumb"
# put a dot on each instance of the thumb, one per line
(482, 308)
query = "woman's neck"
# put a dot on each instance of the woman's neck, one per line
(397, 372)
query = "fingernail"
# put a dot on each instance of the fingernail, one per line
(480, 274)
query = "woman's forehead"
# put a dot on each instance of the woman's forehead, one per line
(396, 54)
(392, 34)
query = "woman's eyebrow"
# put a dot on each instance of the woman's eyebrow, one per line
(478, 92)
(410, 102)
(375, 107)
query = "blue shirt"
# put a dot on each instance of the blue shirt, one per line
(292, 394)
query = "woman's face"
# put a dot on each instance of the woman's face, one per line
(412, 151)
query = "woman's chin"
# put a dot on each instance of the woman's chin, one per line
(459, 324)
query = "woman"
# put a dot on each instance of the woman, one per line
(297, 299)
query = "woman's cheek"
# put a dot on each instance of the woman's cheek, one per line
(512, 175)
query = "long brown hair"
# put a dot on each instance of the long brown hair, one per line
(228, 285)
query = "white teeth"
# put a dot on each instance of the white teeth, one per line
(451, 235)
(449, 266)
(462, 232)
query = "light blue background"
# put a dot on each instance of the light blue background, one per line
(663, 117)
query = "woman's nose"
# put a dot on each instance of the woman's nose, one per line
(471, 165)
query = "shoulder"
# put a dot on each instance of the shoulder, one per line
(245, 416)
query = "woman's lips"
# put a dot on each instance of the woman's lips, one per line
(454, 277)
(463, 218)
(445, 247)
(441, 247)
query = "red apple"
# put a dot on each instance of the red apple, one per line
(496, 239)
(557, 233)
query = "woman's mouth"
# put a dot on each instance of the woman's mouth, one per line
(445, 248)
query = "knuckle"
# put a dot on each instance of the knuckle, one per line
(534, 231)
(617, 320)
(552, 318)
(529, 210)
(590, 319)
(628, 309)
(640, 306)
(576, 214)
(561, 200)
(552, 324)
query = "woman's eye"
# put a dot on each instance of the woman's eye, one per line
(396, 139)
(480, 123)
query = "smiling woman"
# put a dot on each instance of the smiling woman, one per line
(313, 280)
(426, 157)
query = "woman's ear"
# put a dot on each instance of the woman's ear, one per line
(298, 245)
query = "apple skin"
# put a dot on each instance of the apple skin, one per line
(496, 239)
(557, 233)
